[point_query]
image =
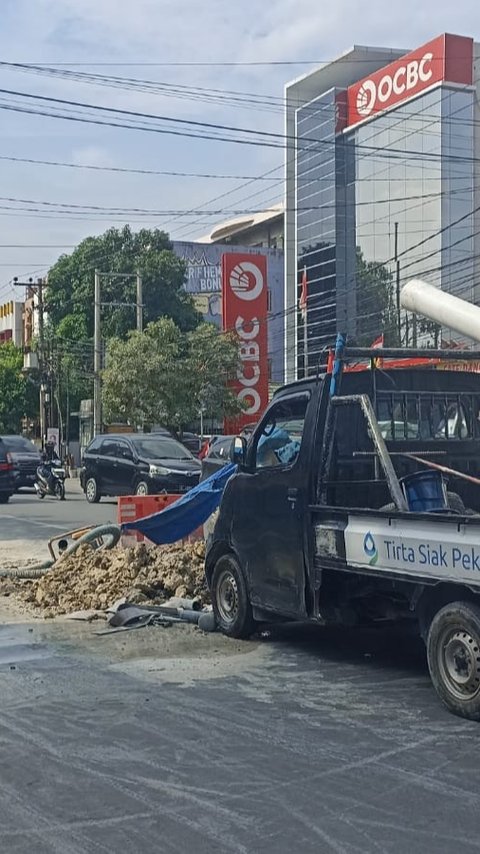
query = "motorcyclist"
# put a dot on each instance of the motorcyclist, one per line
(49, 456)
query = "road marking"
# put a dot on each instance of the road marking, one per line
(19, 520)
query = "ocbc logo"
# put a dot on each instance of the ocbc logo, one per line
(405, 79)
(246, 281)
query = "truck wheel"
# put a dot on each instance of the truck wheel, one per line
(453, 651)
(230, 601)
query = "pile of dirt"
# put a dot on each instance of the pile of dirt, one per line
(92, 579)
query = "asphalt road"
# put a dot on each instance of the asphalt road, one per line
(26, 517)
(310, 741)
(315, 742)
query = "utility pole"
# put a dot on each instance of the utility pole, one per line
(139, 303)
(97, 336)
(305, 345)
(97, 359)
(397, 273)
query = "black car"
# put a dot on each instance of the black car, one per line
(25, 458)
(137, 464)
(218, 455)
(190, 440)
(6, 475)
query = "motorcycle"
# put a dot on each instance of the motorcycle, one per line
(50, 480)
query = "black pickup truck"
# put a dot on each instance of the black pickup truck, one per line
(325, 519)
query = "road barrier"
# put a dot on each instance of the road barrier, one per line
(133, 507)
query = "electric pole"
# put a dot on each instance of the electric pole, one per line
(97, 359)
(397, 276)
(97, 335)
(139, 303)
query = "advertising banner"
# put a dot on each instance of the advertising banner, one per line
(244, 309)
(53, 436)
(447, 59)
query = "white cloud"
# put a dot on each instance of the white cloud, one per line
(92, 155)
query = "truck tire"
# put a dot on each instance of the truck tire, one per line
(231, 605)
(453, 652)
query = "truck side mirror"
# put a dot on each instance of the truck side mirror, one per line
(238, 451)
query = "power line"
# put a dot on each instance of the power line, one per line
(268, 139)
(132, 171)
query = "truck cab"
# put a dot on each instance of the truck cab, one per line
(316, 523)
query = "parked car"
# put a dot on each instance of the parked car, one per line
(6, 475)
(25, 458)
(137, 464)
(193, 442)
(217, 456)
(190, 440)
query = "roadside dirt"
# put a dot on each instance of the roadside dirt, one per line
(34, 616)
(93, 580)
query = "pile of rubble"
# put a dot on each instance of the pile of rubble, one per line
(93, 580)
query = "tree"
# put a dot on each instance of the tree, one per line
(212, 360)
(376, 309)
(19, 395)
(164, 376)
(70, 291)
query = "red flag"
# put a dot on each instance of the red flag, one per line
(378, 343)
(302, 303)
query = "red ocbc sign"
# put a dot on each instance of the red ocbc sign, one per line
(445, 59)
(245, 305)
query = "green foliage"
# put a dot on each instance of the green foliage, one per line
(376, 310)
(19, 396)
(70, 291)
(212, 360)
(164, 376)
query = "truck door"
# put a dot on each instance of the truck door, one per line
(271, 499)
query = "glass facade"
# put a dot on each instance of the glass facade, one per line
(412, 190)
(316, 230)
(402, 190)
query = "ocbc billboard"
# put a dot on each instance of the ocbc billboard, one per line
(245, 306)
(447, 58)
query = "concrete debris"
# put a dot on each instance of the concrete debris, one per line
(93, 580)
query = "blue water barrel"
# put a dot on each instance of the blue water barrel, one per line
(425, 492)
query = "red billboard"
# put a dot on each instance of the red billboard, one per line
(244, 309)
(445, 59)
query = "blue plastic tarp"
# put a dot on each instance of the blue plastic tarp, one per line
(187, 514)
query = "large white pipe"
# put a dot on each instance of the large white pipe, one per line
(455, 313)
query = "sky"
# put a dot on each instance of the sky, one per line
(151, 45)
